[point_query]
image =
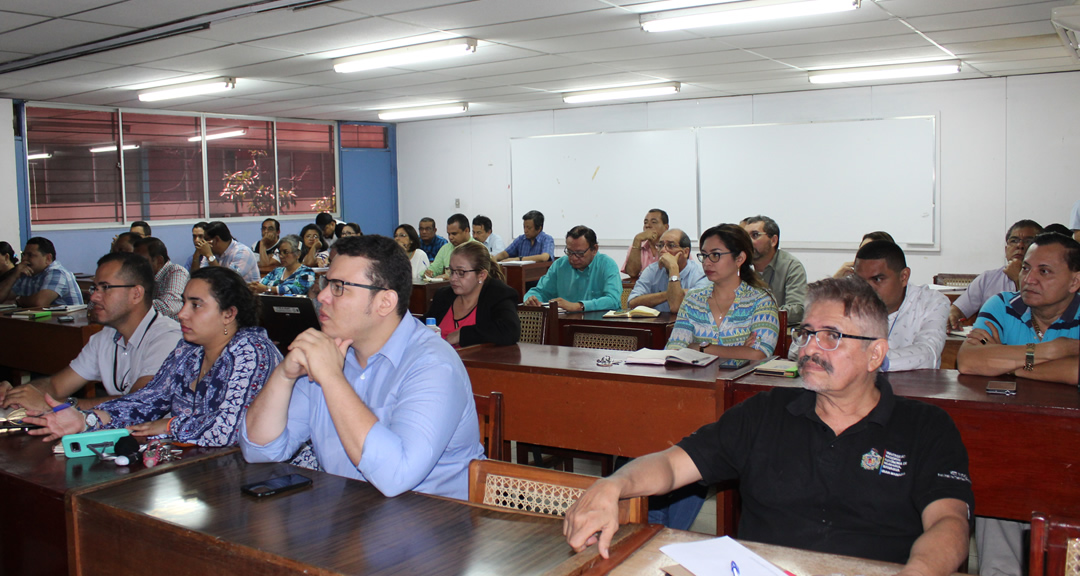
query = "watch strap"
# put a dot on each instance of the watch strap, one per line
(1029, 357)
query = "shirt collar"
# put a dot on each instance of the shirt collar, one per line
(140, 331)
(1023, 311)
(806, 403)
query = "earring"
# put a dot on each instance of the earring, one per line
(226, 330)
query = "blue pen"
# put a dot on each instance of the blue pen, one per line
(61, 407)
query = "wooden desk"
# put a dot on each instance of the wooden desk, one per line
(35, 485)
(194, 520)
(948, 353)
(518, 276)
(1023, 450)
(422, 293)
(660, 327)
(43, 346)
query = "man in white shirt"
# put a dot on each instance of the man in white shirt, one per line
(125, 355)
(481, 231)
(1005, 279)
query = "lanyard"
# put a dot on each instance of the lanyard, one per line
(121, 385)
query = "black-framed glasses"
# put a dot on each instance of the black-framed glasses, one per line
(337, 287)
(462, 272)
(576, 253)
(106, 287)
(712, 256)
(1018, 241)
(827, 339)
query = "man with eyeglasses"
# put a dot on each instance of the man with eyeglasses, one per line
(841, 465)
(430, 242)
(664, 283)
(381, 398)
(991, 282)
(783, 272)
(39, 280)
(457, 230)
(583, 281)
(125, 354)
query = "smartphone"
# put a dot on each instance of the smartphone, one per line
(104, 441)
(65, 319)
(1002, 387)
(276, 485)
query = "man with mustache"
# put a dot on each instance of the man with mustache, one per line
(841, 466)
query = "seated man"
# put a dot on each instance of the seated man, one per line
(124, 242)
(991, 282)
(663, 284)
(783, 272)
(430, 242)
(643, 249)
(457, 229)
(481, 230)
(328, 224)
(842, 466)
(266, 248)
(169, 278)
(534, 245)
(220, 249)
(381, 398)
(123, 356)
(141, 228)
(198, 236)
(583, 281)
(39, 280)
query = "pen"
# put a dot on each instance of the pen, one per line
(54, 409)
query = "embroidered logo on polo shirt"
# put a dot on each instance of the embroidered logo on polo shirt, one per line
(889, 463)
(871, 460)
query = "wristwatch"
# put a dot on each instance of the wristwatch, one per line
(673, 278)
(211, 258)
(91, 419)
(1029, 357)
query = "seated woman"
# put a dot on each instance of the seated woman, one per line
(291, 277)
(406, 236)
(478, 306)
(735, 317)
(349, 229)
(315, 251)
(206, 383)
(849, 267)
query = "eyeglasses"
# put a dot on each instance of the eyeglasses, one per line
(106, 287)
(286, 252)
(462, 273)
(668, 245)
(576, 253)
(1017, 241)
(337, 287)
(755, 235)
(826, 339)
(712, 256)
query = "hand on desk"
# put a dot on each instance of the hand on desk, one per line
(454, 338)
(980, 337)
(155, 428)
(597, 511)
(567, 305)
(26, 396)
(956, 319)
(56, 424)
(533, 301)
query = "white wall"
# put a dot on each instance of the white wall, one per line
(1008, 150)
(9, 207)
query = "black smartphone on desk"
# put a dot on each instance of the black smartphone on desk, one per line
(1001, 387)
(276, 485)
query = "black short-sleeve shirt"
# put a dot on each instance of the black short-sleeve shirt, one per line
(861, 493)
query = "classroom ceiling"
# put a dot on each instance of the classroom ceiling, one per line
(529, 52)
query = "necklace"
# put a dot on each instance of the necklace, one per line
(1036, 327)
(719, 308)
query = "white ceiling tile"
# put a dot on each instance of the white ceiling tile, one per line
(857, 45)
(301, 93)
(823, 34)
(675, 63)
(1029, 66)
(13, 20)
(913, 8)
(484, 54)
(355, 33)
(866, 58)
(509, 66)
(487, 12)
(150, 13)
(988, 17)
(59, 70)
(54, 9)
(46, 90)
(1019, 43)
(1036, 54)
(55, 35)
(521, 32)
(592, 82)
(276, 23)
(379, 7)
(156, 50)
(394, 83)
(992, 32)
(214, 60)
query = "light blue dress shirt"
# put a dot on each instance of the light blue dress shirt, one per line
(427, 431)
(598, 286)
(655, 279)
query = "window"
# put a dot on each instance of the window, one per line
(360, 136)
(306, 176)
(163, 177)
(240, 161)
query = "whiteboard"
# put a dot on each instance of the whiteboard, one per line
(824, 183)
(606, 181)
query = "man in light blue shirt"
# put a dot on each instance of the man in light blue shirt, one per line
(481, 230)
(382, 398)
(221, 249)
(663, 283)
(583, 281)
(39, 280)
(534, 245)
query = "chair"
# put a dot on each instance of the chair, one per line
(606, 337)
(960, 281)
(539, 491)
(1055, 546)
(783, 342)
(627, 288)
(539, 324)
(489, 411)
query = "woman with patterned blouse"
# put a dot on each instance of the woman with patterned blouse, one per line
(292, 277)
(735, 317)
(205, 385)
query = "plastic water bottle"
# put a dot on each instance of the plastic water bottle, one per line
(433, 327)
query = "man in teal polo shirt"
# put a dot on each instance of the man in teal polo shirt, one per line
(583, 281)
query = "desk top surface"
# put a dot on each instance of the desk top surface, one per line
(342, 525)
(597, 316)
(81, 320)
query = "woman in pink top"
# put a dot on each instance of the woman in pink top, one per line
(478, 306)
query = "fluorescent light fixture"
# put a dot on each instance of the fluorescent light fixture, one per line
(219, 135)
(219, 84)
(169, 81)
(41, 156)
(740, 12)
(113, 148)
(406, 55)
(640, 91)
(388, 44)
(670, 5)
(423, 111)
(884, 72)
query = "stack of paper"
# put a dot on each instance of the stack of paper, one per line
(639, 312)
(661, 357)
(718, 557)
(779, 367)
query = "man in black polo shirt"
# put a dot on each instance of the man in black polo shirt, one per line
(840, 466)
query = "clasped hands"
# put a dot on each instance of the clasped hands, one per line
(315, 355)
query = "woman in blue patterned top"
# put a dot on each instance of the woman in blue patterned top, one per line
(735, 317)
(291, 277)
(205, 384)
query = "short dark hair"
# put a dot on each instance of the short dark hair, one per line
(134, 269)
(878, 235)
(579, 231)
(129, 237)
(154, 247)
(483, 222)
(427, 219)
(229, 290)
(1072, 247)
(323, 245)
(354, 226)
(1058, 229)
(324, 218)
(883, 250)
(142, 224)
(44, 245)
(461, 220)
(737, 241)
(860, 302)
(218, 229)
(202, 225)
(390, 266)
(1024, 224)
(277, 225)
(771, 227)
(414, 238)
(6, 248)
(536, 217)
(663, 215)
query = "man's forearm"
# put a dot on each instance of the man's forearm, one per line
(538, 258)
(633, 260)
(657, 473)
(196, 261)
(940, 550)
(989, 359)
(269, 412)
(648, 300)
(352, 418)
(1061, 370)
